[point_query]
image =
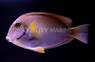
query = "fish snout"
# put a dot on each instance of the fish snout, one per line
(8, 38)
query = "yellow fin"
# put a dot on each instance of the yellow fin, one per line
(41, 50)
(38, 49)
(34, 30)
(32, 27)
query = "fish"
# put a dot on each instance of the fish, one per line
(38, 31)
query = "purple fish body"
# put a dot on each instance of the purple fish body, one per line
(38, 31)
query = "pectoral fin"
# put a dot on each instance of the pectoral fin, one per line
(33, 29)
(38, 49)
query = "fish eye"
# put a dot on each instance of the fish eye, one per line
(17, 24)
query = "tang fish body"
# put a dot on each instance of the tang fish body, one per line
(38, 31)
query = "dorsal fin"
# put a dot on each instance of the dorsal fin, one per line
(65, 20)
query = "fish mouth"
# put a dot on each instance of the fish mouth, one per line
(11, 40)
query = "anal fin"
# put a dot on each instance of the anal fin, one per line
(38, 49)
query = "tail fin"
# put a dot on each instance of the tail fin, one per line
(81, 33)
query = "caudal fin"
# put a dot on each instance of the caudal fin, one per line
(81, 33)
